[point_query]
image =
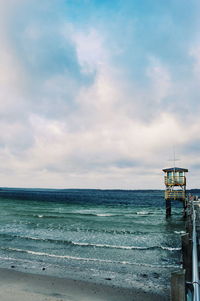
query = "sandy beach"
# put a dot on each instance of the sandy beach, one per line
(19, 286)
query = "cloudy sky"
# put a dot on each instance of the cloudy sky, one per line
(98, 93)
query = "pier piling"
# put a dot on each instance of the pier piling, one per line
(168, 207)
(178, 286)
(187, 256)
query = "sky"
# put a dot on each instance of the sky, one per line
(99, 93)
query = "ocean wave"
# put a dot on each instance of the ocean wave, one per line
(107, 214)
(86, 213)
(170, 248)
(88, 258)
(47, 216)
(95, 245)
(39, 215)
(75, 214)
(83, 213)
(83, 244)
(124, 247)
(144, 213)
(179, 232)
(94, 214)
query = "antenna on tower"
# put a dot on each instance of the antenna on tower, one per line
(174, 157)
(174, 153)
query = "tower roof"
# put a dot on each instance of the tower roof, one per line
(175, 169)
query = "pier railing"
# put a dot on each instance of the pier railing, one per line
(195, 270)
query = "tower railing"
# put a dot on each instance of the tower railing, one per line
(175, 194)
(175, 180)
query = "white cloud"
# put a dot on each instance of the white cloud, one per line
(90, 47)
(160, 80)
(71, 117)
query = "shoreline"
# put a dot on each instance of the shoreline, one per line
(21, 286)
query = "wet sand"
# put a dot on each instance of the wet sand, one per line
(19, 286)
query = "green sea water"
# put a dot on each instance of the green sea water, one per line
(115, 237)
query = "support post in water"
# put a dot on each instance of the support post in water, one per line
(175, 182)
(178, 286)
(187, 256)
(168, 207)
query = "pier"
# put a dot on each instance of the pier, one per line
(185, 285)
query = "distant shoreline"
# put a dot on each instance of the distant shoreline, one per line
(76, 189)
(63, 194)
(83, 189)
(51, 194)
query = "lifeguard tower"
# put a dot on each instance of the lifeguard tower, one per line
(175, 182)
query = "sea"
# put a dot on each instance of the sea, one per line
(114, 237)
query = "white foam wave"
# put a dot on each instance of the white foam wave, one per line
(106, 214)
(124, 247)
(109, 246)
(179, 232)
(170, 248)
(32, 238)
(97, 245)
(143, 213)
(89, 259)
(94, 213)
(65, 256)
